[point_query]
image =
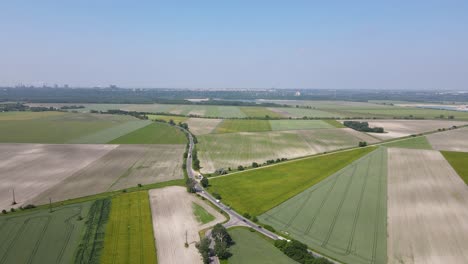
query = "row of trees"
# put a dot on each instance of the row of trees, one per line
(298, 252)
(222, 241)
(363, 127)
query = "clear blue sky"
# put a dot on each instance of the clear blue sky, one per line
(230, 44)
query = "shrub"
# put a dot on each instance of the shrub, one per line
(240, 167)
(4, 211)
(269, 228)
(255, 219)
(246, 215)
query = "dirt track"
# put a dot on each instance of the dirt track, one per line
(172, 217)
(427, 209)
(34, 168)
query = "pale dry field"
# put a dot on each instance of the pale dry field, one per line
(453, 140)
(123, 167)
(201, 126)
(32, 169)
(427, 209)
(403, 128)
(233, 149)
(173, 219)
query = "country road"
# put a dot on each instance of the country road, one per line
(235, 219)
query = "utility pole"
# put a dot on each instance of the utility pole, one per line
(50, 205)
(186, 241)
(14, 199)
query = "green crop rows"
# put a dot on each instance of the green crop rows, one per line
(344, 216)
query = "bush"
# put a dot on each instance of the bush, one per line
(12, 210)
(269, 228)
(254, 164)
(240, 167)
(363, 126)
(29, 206)
(204, 182)
(255, 219)
(139, 185)
(217, 196)
(4, 211)
(246, 215)
(362, 143)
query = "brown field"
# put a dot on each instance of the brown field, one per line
(427, 209)
(173, 220)
(201, 126)
(32, 169)
(125, 166)
(453, 140)
(403, 128)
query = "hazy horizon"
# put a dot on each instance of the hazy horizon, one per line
(417, 45)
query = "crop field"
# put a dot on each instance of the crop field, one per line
(168, 118)
(343, 216)
(257, 191)
(233, 125)
(129, 232)
(412, 143)
(298, 124)
(453, 140)
(301, 112)
(109, 134)
(31, 169)
(253, 248)
(458, 161)
(427, 209)
(201, 126)
(123, 167)
(234, 149)
(12, 116)
(402, 112)
(174, 222)
(42, 237)
(154, 133)
(256, 111)
(54, 127)
(327, 104)
(402, 128)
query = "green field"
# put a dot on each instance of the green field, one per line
(344, 216)
(155, 133)
(238, 125)
(459, 161)
(256, 111)
(57, 127)
(251, 247)
(167, 118)
(234, 149)
(334, 123)
(402, 112)
(411, 143)
(201, 214)
(129, 232)
(109, 134)
(301, 112)
(298, 124)
(257, 191)
(42, 237)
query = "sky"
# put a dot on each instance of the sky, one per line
(236, 44)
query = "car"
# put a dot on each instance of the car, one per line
(217, 201)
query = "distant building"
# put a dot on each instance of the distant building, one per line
(297, 93)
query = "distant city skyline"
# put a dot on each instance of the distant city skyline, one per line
(237, 44)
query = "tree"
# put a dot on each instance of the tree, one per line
(171, 122)
(190, 184)
(221, 250)
(219, 233)
(204, 248)
(362, 143)
(246, 215)
(240, 167)
(4, 211)
(204, 182)
(254, 164)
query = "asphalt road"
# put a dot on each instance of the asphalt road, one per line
(235, 219)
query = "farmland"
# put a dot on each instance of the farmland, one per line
(123, 167)
(253, 248)
(42, 237)
(55, 127)
(344, 215)
(129, 235)
(168, 118)
(298, 124)
(201, 214)
(453, 140)
(259, 112)
(234, 149)
(257, 191)
(32, 169)
(230, 126)
(426, 209)
(413, 143)
(155, 133)
(403, 128)
(201, 126)
(458, 161)
(173, 221)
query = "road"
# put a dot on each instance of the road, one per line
(235, 219)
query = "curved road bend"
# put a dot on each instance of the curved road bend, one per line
(235, 219)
